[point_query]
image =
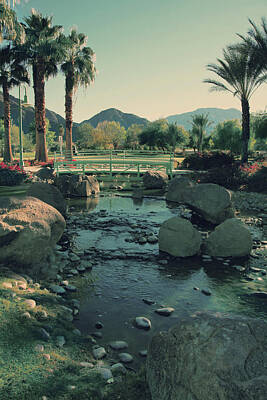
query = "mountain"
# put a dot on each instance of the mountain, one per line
(28, 115)
(216, 115)
(112, 114)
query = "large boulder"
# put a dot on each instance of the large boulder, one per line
(179, 238)
(46, 174)
(155, 179)
(48, 194)
(211, 201)
(229, 239)
(29, 230)
(179, 188)
(77, 185)
(208, 357)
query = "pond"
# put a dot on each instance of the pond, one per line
(126, 272)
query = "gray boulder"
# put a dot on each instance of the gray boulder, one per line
(155, 179)
(229, 239)
(178, 237)
(45, 174)
(211, 201)
(48, 194)
(178, 189)
(208, 357)
(77, 185)
(29, 230)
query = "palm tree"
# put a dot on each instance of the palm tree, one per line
(200, 122)
(44, 49)
(241, 75)
(10, 28)
(12, 73)
(79, 69)
(257, 40)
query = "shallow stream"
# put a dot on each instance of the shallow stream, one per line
(125, 272)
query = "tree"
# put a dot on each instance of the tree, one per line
(176, 135)
(132, 136)
(85, 136)
(259, 125)
(155, 135)
(12, 73)
(257, 41)
(44, 48)
(227, 136)
(240, 76)
(79, 69)
(199, 124)
(10, 28)
(109, 135)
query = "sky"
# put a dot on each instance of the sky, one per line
(150, 54)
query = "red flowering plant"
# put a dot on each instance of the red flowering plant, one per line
(11, 174)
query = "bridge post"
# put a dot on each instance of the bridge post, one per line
(110, 164)
(138, 170)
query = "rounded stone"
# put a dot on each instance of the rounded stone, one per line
(143, 323)
(165, 311)
(125, 357)
(57, 289)
(30, 303)
(118, 345)
(118, 369)
(99, 353)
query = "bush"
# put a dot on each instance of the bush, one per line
(231, 177)
(11, 175)
(257, 181)
(208, 160)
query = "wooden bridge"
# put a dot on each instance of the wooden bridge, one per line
(116, 163)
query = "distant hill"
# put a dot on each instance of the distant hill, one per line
(216, 115)
(28, 115)
(112, 114)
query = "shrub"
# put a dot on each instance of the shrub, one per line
(231, 177)
(257, 180)
(11, 175)
(208, 160)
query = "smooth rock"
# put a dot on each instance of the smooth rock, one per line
(125, 357)
(166, 311)
(99, 353)
(118, 345)
(29, 303)
(143, 323)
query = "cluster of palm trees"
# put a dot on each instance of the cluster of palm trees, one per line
(242, 70)
(45, 50)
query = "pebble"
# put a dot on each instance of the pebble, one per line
(166, 311)
(105, 373)
(125, 357)
(148, 301)
(239, 268)
(99, 353)
(60, 341)
(71, 288)
(74, 257)
(97, 335)
(30, 303)
(118, 345)
(57, 289)
(143, 353)
(118, 369)
(142, 323)
(196, 288)
(86, 364)
(39, 348)
(99, 325)
(44, 334)
(7, 285)
(77, 332)
(207, 292)
(47, 356)
(26, 315)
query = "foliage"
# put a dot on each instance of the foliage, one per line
(228, 136)
(257, 180)
(132, 136)
(11, 175)
(109, 135)
(200, 122)
(85, 136)
(133, 387)
(207, 160)
(10, 28)
(230, 176)
(154, 135)
(176, 136)
(259, 125)
(50, 135)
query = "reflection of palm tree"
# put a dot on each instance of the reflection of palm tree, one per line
(241, 75)
(12, 73)
(78, 68)
(199, 124)
(43, 48)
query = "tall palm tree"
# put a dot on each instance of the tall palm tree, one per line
(44, 49)
(200, 122)
(240, 76)
(257, 40)
(79, 69)
(12, 73)
(10, 28)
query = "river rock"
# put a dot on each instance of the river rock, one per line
(211, 201)
(30, 303)
(48, 194)
(207, 357)
(118, 369)
(29, 230)
(57, 289)
(118, 345)
(125, 357)
(230, 239)
(99, 352)
(45, 174)
(165, 311)
(77, 185)
(179, 238)
(155, 179)
(178, 189)
(142, 323)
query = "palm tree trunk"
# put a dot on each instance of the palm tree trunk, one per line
(245, 129)
(8, 157)
(68, 114)
(37, 147)
(40, 122)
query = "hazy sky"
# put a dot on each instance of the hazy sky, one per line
(150, 54)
